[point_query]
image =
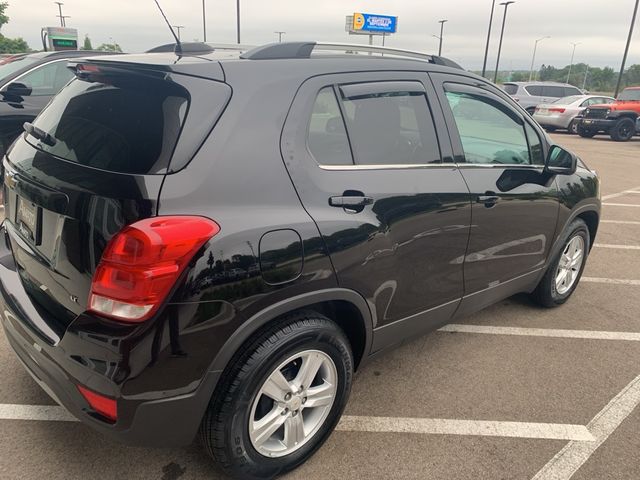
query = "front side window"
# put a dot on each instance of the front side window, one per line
(327, 139)
(553, 91)
(630, 94)
(48, 79)
(488, 130)
(391, 128)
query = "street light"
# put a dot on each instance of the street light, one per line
(504, 20)
(60, 16)
(279, 35)
(533, 59)
(441, 22)
(572, 55)
(486, 49)
(626, 50)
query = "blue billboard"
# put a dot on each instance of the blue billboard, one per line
(367, 22)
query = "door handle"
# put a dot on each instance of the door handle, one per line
(350, 201)
(489, 199)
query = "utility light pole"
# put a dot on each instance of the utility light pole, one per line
(533, 59)
(626, 50)
(504, 20)
(60, 15)
(238, 21)
(486, 48)
(441, 22)
(279, 35)
(204, 22)
(572, 55)
(178, 28)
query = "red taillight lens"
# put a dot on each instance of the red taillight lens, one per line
(557, 110)
(141, 264)
(105, 406)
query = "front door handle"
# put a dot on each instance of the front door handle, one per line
(489, 199)
(350, 201)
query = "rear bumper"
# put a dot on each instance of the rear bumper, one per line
(552, 121)
(58, 367)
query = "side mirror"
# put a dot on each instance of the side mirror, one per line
(16, 89)
(560, 161)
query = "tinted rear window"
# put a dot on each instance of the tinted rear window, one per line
(553, 91)
(572, 91)
(535, 90)
(510, 88)
(125, 124)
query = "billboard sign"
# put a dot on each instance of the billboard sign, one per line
(370, 23)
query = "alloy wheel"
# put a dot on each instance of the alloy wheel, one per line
(569, 265)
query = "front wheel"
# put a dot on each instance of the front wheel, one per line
(585, 132)
(623, 130)
(573, 127)
(280, 399)
(564, 272)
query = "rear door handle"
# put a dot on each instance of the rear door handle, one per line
(350, 201)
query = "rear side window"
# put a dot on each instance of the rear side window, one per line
(535, 90)
(554, 91)
(390, 126)
(510, 88)
(125, 124)
(571, 91)
(328, 142)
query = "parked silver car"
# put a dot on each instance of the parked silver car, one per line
(563, 112)
(532, 94)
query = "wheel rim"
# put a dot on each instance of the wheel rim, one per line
(293, 403)
(625, 131)
(570, 264)
(573, 128)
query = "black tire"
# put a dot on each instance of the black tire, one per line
(531, 110)
(573, 127)
(623, 130)
(546, 293)
(225, 427)
(550, 129)
(585, 132)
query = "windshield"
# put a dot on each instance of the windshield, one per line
(12, 65)
(630, 94)
(124, 124)
(568, 100)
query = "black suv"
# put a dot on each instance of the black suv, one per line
(213, 243)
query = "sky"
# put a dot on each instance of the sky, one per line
(136, 25)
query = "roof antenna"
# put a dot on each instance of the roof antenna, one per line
(178, 49)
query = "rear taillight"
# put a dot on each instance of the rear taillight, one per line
(557, 110)
(142, 263)
(105, 406)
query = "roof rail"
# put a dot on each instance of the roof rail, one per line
(286, 50)
(198, 48)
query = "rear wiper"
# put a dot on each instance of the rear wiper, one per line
(41, 135)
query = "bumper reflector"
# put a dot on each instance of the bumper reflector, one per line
(105, 406)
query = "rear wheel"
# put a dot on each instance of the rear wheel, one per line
(550, 129)
(281, 398)
(564, 272)
(573, 127)
(585, 132)
(623, 130)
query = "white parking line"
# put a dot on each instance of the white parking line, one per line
(442, 426)
(621, 222)
(350, 423)
(621, 194)
(611, 281)
(575, 453)
(621, 205)
(542, 332)
(621, 247)
(35, 412)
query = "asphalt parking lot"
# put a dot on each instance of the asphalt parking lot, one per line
(514, 392)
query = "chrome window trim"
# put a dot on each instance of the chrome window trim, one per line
(35, 68)
(429, 165)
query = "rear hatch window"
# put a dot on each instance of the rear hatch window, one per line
(119, 123)
(510, 88)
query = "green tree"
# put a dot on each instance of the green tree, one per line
(4, 19)
(87, 43)
(10, 45)
(110, 47)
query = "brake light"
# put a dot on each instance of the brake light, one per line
(142, 263)
(557, 110)
(105, 406)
